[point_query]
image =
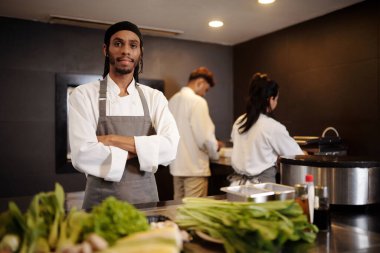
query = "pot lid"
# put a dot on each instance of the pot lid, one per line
(331, 161)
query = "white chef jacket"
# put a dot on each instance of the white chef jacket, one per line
(258, 149)
(198, 142)
(108, 162)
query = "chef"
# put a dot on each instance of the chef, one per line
(191, 169)
(120, 130)
(258, 139)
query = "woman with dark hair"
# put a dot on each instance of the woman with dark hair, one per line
(258, 139)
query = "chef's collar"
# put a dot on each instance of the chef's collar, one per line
(114, 88)
(188, 89)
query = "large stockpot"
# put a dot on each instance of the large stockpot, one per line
(350, 180)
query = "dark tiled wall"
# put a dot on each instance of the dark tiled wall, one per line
(328, 72)
(31, 54)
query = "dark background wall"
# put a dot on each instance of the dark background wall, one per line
(328, 72)
(32, 53)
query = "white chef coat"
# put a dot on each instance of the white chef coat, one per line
(108, 162)
(258, 149)
(198, 142)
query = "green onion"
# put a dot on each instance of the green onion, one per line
(247, 226)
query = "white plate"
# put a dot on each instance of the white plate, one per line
(208, 238)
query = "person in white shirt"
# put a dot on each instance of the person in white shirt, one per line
(120, 130)
(198, 143)
(258, 139)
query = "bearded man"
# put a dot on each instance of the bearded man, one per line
(120, 131)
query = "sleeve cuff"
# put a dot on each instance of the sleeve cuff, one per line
(118, 161)
(147, 148)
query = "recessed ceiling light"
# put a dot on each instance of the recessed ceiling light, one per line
(215, 23)
(266, 1)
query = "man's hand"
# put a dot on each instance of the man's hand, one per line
(221, 145)
(124, 142)
(105, 139)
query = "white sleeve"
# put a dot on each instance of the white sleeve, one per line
(283, 143)
(160, 148)
(204, 129)
(87, 154)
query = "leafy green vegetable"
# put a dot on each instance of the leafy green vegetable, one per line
(11, 221)
(45, 226)
(247, 226)
(38, 227)
(71, 229)
(42, 219)
(113, 219)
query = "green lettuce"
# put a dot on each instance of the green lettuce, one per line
(113, 219)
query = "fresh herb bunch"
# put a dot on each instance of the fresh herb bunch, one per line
(246, 226)
(113, 219)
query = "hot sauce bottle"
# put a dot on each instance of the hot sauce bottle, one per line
(311, 193)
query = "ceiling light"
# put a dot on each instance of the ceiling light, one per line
(266, 1)
(215, 23)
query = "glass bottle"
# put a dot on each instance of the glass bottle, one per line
(301, 197)
(311, 192)
(322, 208)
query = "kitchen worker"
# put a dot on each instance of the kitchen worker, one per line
(258, 139)
(198, 143)
(120, 130)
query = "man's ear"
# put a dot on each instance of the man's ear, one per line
(105, 53)
(198, 83)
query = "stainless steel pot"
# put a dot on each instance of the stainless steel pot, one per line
(350, 180)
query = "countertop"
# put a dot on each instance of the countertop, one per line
(354, 228)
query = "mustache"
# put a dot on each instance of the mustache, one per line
(125, 58)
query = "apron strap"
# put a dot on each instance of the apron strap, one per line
(102, 99)
(143, 101)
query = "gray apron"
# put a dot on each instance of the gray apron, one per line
(267, 176)
(135, 186)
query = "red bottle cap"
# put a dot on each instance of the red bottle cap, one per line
(309, 178)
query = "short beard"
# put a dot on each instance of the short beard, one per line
(123, 71)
